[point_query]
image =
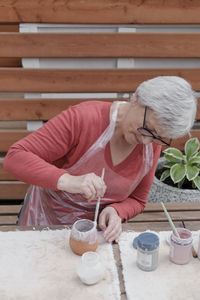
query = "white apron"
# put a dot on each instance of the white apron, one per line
(48, 207)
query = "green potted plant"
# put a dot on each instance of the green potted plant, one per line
(179, 179)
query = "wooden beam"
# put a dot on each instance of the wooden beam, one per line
(10, 62)
(101, 45)
(45, 109)
(9, 27)
(160, 216)
(9, 209)
(100, 12)
(8, 220)
(4, 175)
(186, 206)
(38, 109)
(180, 143)
(157, 226)
(12, 190)
(8, 137)
(88, 80)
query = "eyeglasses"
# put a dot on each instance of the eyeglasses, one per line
(147, 132)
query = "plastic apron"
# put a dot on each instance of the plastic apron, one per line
(48, 207)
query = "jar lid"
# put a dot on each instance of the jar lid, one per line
(148, 241)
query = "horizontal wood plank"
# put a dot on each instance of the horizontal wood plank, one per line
(8, 220)
(99, 45)
(9, 209)
(39, 109)
(8, 137)
(99, 12)
(4, 175)
(12, 190)
(89, 80)
(158, 226)
(9, 27)
(180, 142)
(160, 216)
(10, 62)
(186, 206)
(45, 109)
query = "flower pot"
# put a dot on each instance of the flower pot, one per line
(166, 193)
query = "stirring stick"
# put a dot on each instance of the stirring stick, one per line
(194, 253)
(170, 221)
(99, 199)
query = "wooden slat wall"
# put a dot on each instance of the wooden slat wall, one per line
(88, 80)
(116, 45)
(45, 109)
(15, 45)
(100, 12)
(9, 61)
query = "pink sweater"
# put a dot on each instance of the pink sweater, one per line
(43, 156)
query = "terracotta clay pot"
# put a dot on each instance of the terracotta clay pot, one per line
(83, 237)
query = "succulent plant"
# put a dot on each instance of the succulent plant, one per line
(183, 166)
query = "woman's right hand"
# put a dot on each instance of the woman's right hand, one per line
(89, 185)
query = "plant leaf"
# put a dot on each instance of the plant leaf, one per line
(177, 172)
(171, 158)
(175, 153)
(191, 172)
(180, 183)
(169, 164)
(191, 147)
(164, 175)
(197, 182)
(194, 160)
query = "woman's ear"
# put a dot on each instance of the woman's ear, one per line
(134, 98)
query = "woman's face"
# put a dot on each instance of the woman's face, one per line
(134, 119)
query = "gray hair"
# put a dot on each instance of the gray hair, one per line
(173, 102)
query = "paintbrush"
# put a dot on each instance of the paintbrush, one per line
(194, 253)
(170, 220)
(98, 200)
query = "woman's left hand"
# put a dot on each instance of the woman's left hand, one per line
(111, 224)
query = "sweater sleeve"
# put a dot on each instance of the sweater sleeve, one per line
(31, 159)
(136, 202)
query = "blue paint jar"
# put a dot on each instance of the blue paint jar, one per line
(147, 251)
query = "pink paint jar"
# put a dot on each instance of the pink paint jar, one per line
(181, 248)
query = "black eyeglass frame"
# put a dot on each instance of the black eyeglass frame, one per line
(152, 135)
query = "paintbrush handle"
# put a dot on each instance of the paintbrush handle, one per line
(194, 253)
(170, 220)
(98, 200)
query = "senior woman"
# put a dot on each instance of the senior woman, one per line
(63, 160)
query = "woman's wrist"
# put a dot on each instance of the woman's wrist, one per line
(62, 182)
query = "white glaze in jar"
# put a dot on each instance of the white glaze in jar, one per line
(90, 269)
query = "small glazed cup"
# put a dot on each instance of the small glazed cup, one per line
(83, 237)
(90, 270)
(181, 248)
